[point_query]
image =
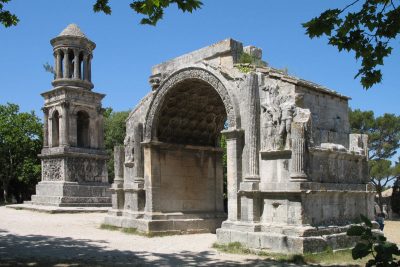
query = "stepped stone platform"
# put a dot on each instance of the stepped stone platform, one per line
(55, 209)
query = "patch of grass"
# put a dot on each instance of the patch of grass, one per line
(134, 231)
(109, 227)
(244, 68)
(326, 257)
(246, 58)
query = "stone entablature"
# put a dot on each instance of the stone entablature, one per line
(295, 176)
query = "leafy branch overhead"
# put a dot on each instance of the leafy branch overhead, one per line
(153, 10)
(365, 27)
(6, 17)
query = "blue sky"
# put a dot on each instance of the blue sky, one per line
(126, 50)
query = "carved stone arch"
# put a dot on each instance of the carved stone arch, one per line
(180, 76)
(55, 116)
(76, 109)
(54, 110)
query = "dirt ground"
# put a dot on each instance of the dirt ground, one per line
(40, 239)
(30, 238)
(392, 231)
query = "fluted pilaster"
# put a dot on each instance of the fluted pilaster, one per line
(298, 151)
(64, 124)
(251, 135)
(45, 127)
(138, 157)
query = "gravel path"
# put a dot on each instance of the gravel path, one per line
(41, 239)
(392, 231)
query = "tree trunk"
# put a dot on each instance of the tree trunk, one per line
(5, 191)
(379, 191)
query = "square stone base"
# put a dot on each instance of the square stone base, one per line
(285, 238)
(171, 223)
(72, 194)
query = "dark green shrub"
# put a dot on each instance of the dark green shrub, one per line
(383, 252)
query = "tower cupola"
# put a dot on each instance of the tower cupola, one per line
(73, 53)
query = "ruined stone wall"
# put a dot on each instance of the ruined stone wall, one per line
(134, 123)
(330, 122)
(336, 208)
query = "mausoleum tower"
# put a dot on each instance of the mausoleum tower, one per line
(74, 170)
(73, 57)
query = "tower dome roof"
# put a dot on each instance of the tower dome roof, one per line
(72, 30)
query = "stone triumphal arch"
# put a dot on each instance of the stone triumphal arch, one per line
(296, 177)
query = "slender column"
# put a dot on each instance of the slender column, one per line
(101, 129)
(252, 138)
(138, 152)
(76, 64)
(64, 127)
(66, 64)
(234, 146)
(117, 187)
(85, 67)
(89, 67)
(298, 151)
(45, 127)
(58, 64)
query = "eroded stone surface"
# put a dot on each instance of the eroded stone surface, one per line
(74, 169)
(295, 178)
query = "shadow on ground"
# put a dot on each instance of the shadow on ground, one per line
(39, 250)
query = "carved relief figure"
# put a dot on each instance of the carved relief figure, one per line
(277, 117)
(51, 170)
(287, 113)
(129, 151)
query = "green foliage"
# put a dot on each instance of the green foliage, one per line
(20, 142)
(153, 10)
(135, 231)
(49, 68)
(244, 67)
(383, 143)
(246, 58)
(114, 134)
(6, 17)
(383, 132)
(248, 63)
(326, 257)
(367, 31)
(382, 251)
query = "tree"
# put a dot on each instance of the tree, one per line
(383, 143)
(20, 142)
(152, 10)
(381, 174)
(114, 134)
(365, 27)
(383, 132)
(395, 198)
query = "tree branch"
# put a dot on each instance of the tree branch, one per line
(349, 5)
